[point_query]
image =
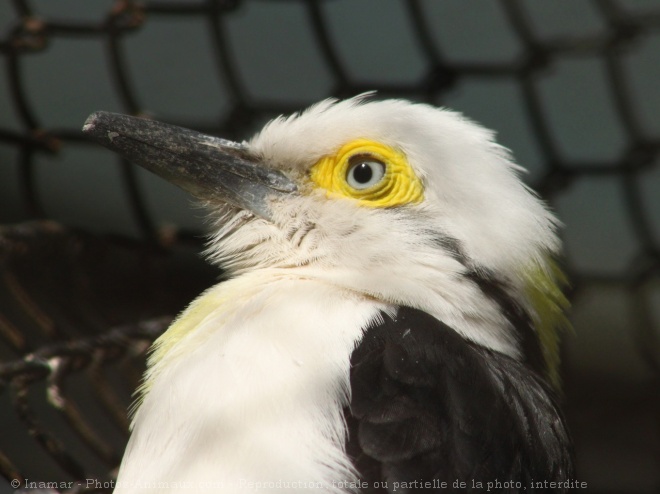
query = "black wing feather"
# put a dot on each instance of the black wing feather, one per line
(429, 405)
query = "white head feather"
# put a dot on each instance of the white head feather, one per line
(473, 199)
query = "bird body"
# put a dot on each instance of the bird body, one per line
(390, 312)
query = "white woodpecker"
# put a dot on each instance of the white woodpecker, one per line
(389, 319)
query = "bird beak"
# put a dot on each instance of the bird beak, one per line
(209, 168)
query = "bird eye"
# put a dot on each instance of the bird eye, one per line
(374, 174)
(364, 172)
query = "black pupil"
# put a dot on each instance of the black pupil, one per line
(363, 173)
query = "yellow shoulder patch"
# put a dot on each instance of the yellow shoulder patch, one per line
(185, 323)
(543, 285)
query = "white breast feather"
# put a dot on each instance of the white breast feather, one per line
(254, 394)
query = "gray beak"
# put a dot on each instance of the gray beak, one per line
(209, 168)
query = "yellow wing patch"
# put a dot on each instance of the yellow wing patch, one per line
(399, 184)
(544, 291)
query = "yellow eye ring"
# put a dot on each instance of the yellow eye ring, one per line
(385, 180)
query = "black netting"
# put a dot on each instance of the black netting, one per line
(77, 309)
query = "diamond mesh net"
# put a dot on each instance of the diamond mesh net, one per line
(571, 87)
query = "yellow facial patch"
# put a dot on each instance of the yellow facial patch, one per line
(373, 173)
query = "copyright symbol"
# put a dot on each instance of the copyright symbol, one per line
(15, 483)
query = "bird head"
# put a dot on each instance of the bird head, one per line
(406, 203)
